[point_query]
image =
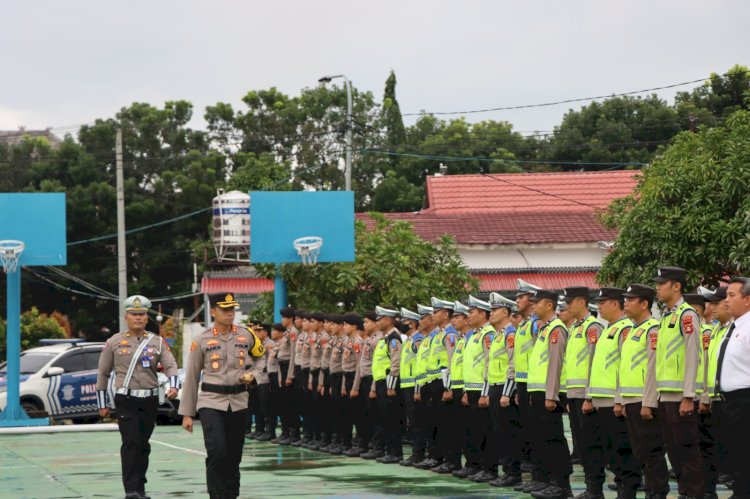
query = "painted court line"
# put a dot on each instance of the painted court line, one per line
(179, 448)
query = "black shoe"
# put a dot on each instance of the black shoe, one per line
(445, 469)
(575, 460)
(465, 472)
(612, 486)
(427, 464)
(284, 441)
(506, 481)
(265, 437)
(296, 443)
(390, 459)
(526, 467)
(532, 486)
(336, 450)
(483, 476)
(371, 455)
(591, 494)
(353, 452)
(551, 492)
(411, 461)
(132, 495)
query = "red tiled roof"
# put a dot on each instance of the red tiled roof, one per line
(237, 285)
(500, 228)
(527, 192)
(546, 280)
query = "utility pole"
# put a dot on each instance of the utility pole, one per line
(122, 267)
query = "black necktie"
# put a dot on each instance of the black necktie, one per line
(722, 351)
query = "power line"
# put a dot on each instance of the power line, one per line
(519, 161)
(566, 101)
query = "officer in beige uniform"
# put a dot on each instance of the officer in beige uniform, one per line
(333, 386)
(286, 347)
(353, 409)
(259, 393)
(134, 355)
(370, 428)
(221, 353)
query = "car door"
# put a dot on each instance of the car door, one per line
(66, 388)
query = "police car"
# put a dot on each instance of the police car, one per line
(58, 380)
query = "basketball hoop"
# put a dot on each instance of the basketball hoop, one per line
(308, 248)
(10, 252)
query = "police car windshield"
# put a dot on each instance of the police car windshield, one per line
(30, 362)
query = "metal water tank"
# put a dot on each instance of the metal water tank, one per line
(231, 226)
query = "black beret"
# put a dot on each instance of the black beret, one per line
(279, 327)
(352, 318)
(370, 314)
(287, 312)
(318, 316)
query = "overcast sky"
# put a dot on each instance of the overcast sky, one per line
(67, 63)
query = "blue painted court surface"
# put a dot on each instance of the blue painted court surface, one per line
(87, 465)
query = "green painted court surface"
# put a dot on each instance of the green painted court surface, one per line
(87, 465)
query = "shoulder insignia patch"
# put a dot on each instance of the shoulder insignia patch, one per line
(687, 324)
(511, 340)
(394, 344)
(293, 336)
(652, 339)
(356, 348)
(553, 336)
(487, 341)
(451, 340)
(593, 335)
(625, 332)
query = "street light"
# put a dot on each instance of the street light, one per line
(348, 167)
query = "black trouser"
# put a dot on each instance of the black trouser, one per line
(416, 430)
(285, 402)
(136, 418)
(363, 421)
(719, 434)
(441, 417)
(273, 403)
(223, 436)
(335, 402)
(648, 447)
(308, 418)
(390, 409)
(709, 450)
(455, 438)
(426, 419)
(481, 445)
(348, 411)
(735, 415)
(525, 418)
(315, 406)
(260, 411)
(547, 434)
(377, 438)
(575, 415)
(297, 404)
(506, 430)
(682, 439)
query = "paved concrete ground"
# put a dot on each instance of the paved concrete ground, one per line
(87, 465)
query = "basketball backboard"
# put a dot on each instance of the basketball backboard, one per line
(37, 219)
(278, 218)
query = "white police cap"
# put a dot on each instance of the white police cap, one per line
(497, 300)
(424, 310)
(437, 303)
(137, 303)
(408, 315)
(477, 303)
(460, 308)
(385, 312)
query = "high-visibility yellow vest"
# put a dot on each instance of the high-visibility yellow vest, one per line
(438, 356)
(717, 336)
(524, 344)
(539, 358)
(474, 358)
(577, 353)
(606, 362)
(670, 351)
(634, 362)
(499, 360)
(457, 365)
(381, 360)
(408, 367)
(423, 355)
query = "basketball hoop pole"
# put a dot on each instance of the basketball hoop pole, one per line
(13, 414)
(279, 294)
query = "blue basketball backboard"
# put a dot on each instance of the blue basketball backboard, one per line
(278, 218)
(37, 219)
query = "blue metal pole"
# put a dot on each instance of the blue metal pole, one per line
(279, 294)
(13, 414)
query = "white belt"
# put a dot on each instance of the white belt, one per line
(141, 394)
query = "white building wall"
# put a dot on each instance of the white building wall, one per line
(520, 256)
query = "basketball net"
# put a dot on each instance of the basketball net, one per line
(10, 252)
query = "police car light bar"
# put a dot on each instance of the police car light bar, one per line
(51, 341)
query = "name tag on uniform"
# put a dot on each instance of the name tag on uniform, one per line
(146, 361)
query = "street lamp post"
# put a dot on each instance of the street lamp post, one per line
(348, 166)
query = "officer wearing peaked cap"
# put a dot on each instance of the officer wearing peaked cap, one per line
(423, 396)
(678, 357)
(133, 356)
(386, 364)
(220, 354)
(410, 322)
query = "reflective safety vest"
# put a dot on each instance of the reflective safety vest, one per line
(438, 356)
(717, 336)
(606, 362)
(539, 358)
(577, 353)
(457, 365)
(524, 344)
(705, 340)
(670, 351)
(408, 367)
(499, 360)
(381, 360)
(474, 358)
(423, 357)
(634, 363)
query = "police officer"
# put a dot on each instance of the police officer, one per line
(678, 354)
(545, 372)
(351, 410)
(604, 428)
(423, 389)
(286, 346)
(408, 380)
(333, 386)
(458, 444)
(318, 340)
(274, 382)
(503, 408)
(301, 374)
(481, 456)
(259, 392)
(134, 356)
(220, 354)
(369, 431)
(638, 390)
(386, 372)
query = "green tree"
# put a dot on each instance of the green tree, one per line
(690, 209)
(393, 266)
(35, 326)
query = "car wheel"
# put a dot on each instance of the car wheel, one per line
(33, 408)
